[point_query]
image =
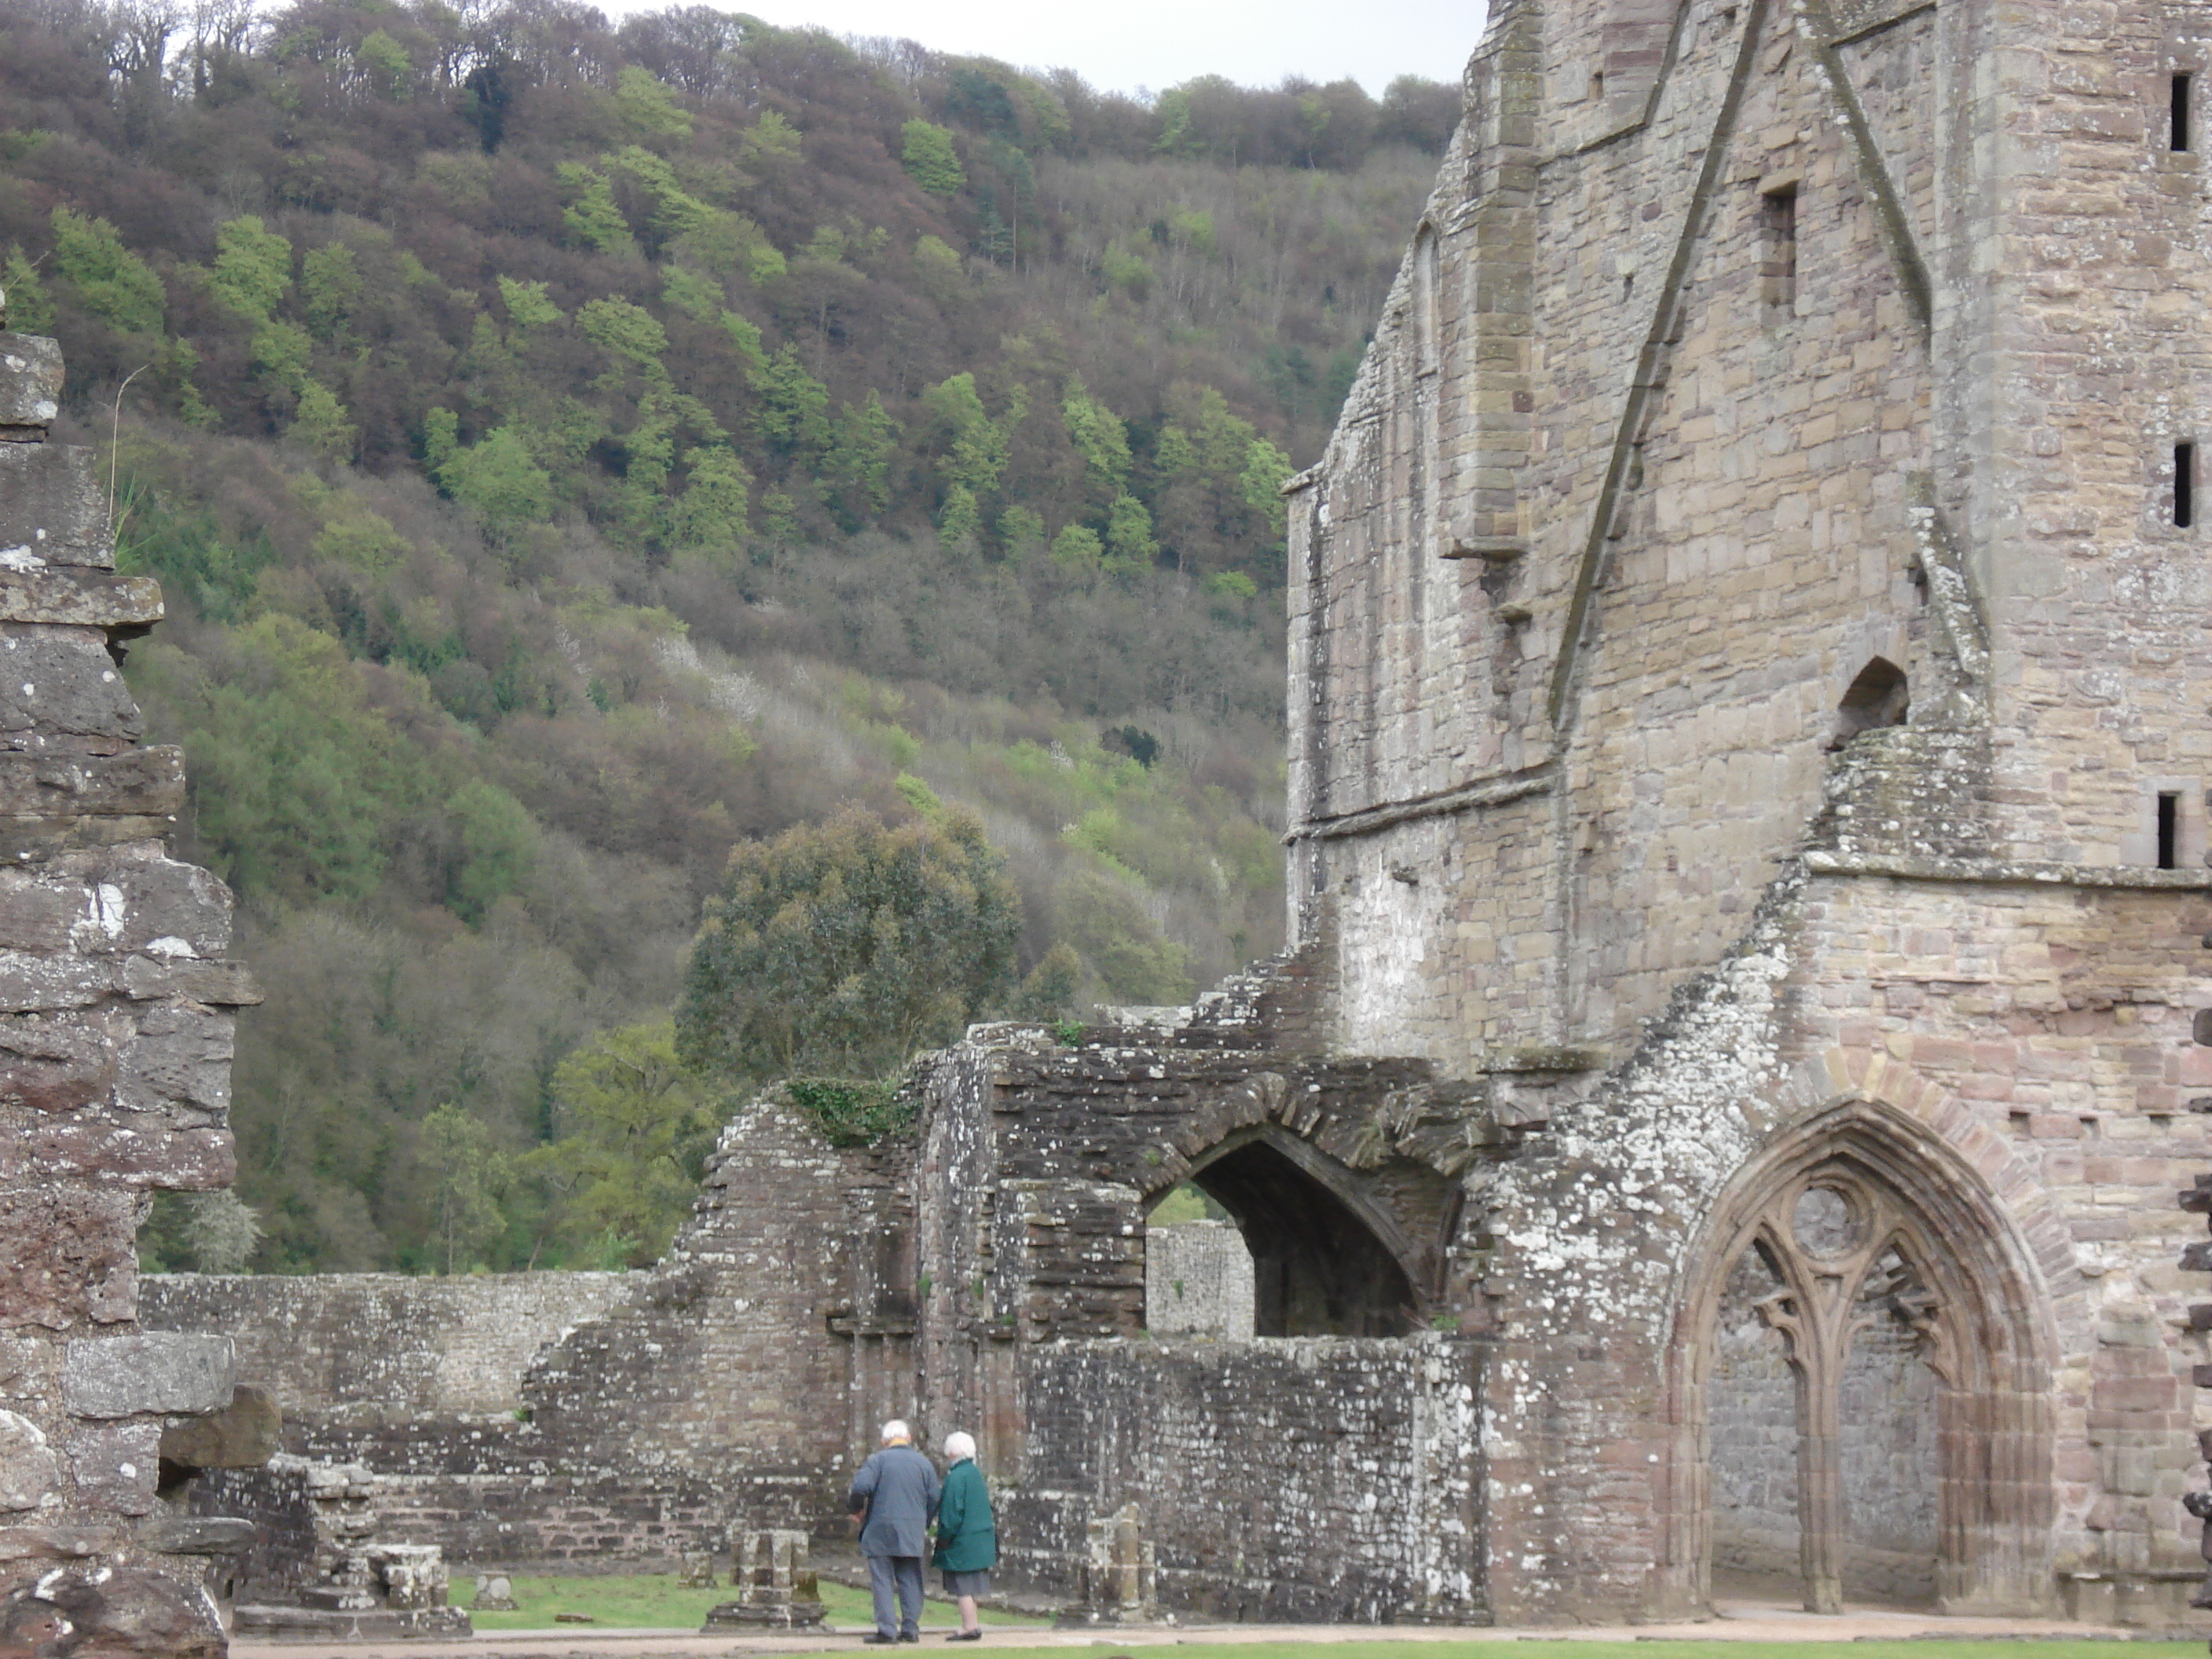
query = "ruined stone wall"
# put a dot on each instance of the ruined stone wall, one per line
(116, 1009)
(384, 1348)
(602, 1422)
(1197, 1281)
(1743, 346)
(1318, 1478)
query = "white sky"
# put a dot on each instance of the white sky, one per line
(1123, 45)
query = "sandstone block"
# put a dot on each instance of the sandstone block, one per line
(148, 1371)
(140, 780)
(243, 1435)
(58, 1065)
(53, 507)
(115, 1466)
(30, 380)
(29, 1468)
(61, 682)
(76, 597)
(117, 1613)
(67, 1256)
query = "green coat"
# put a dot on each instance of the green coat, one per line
(966, 1541)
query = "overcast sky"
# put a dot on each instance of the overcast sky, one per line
(1123, 45)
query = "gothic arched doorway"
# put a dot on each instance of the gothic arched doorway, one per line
(1323, 1262)
(1876, 1259)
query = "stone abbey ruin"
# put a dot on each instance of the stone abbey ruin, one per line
(1718, 1121)
(116, 1011)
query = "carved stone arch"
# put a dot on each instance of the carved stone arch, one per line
(1984, 1321)
(1327, 1259)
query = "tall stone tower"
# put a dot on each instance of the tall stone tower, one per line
(116, 1010)
(1751, 706)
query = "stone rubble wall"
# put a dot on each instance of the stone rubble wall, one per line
(364, 1349)
(1304, 1479)
(1197, 1281)
(116, 1016)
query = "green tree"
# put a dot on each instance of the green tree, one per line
(30, 307)
(329, 287)
(636, 1125)
(648, 108)
(528, 307)
(110, 281)
(714, 514)
(1129, 534)
(857, 465)
(497, 848)
(386, 64)
(252, 268)
(1099, 437)
(930, 159)
(844, 948)
(298, 782)
(500, 479)
(1077, 548)
(793, 416)
(466, 1173)
(322, 424)
(592, 216)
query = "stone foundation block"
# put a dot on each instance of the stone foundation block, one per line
(148, 1371)
(53, 507)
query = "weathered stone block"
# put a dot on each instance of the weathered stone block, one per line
(243, 1435)
(77, 598)
(146, 781)
(30, 380)
(116, 1466)
(67, 1255)
(148, 1371)
(62, 682)
(29, 1468)
(53, 507)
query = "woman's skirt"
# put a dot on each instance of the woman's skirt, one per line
(977, 1583)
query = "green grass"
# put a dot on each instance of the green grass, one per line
(656, 1600)
(1664, 1648)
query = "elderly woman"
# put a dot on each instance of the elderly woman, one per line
(967, 1543)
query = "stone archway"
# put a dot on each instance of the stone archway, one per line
(1325, 1261)
(1859, 1186)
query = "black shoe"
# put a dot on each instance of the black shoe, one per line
(965, 1636)
(875, 1638)
(910, 1636)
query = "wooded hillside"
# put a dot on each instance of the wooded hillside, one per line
(571, 450)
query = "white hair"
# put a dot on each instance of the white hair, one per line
(958, 1445)
(897, 1430)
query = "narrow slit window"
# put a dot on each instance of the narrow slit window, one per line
(2179, 137)
(2184, 484)
(2169, 831)
(1778, 219)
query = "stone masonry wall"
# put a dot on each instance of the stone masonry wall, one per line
(116, 1009)
(394, 1349)
(1317, 1479)
(1197, 1281)
(602, 1422)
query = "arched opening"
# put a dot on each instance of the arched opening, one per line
(1198, 1272)
(1321, 1263)
(1877, 696)
(1860, 1377)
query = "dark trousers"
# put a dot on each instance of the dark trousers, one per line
(899, 1574)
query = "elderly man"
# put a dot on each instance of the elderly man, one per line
(894, 1498)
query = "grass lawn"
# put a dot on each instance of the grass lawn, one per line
(1009, 1646)
(657, 1600)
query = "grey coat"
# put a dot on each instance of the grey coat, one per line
(898, 1487)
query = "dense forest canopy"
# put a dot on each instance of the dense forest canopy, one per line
(573, 451)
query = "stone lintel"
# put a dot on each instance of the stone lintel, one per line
(76, 597)
(1546, 1057)
(1495, 790)
(166, 1371)
(30, 381)
(147, 782)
